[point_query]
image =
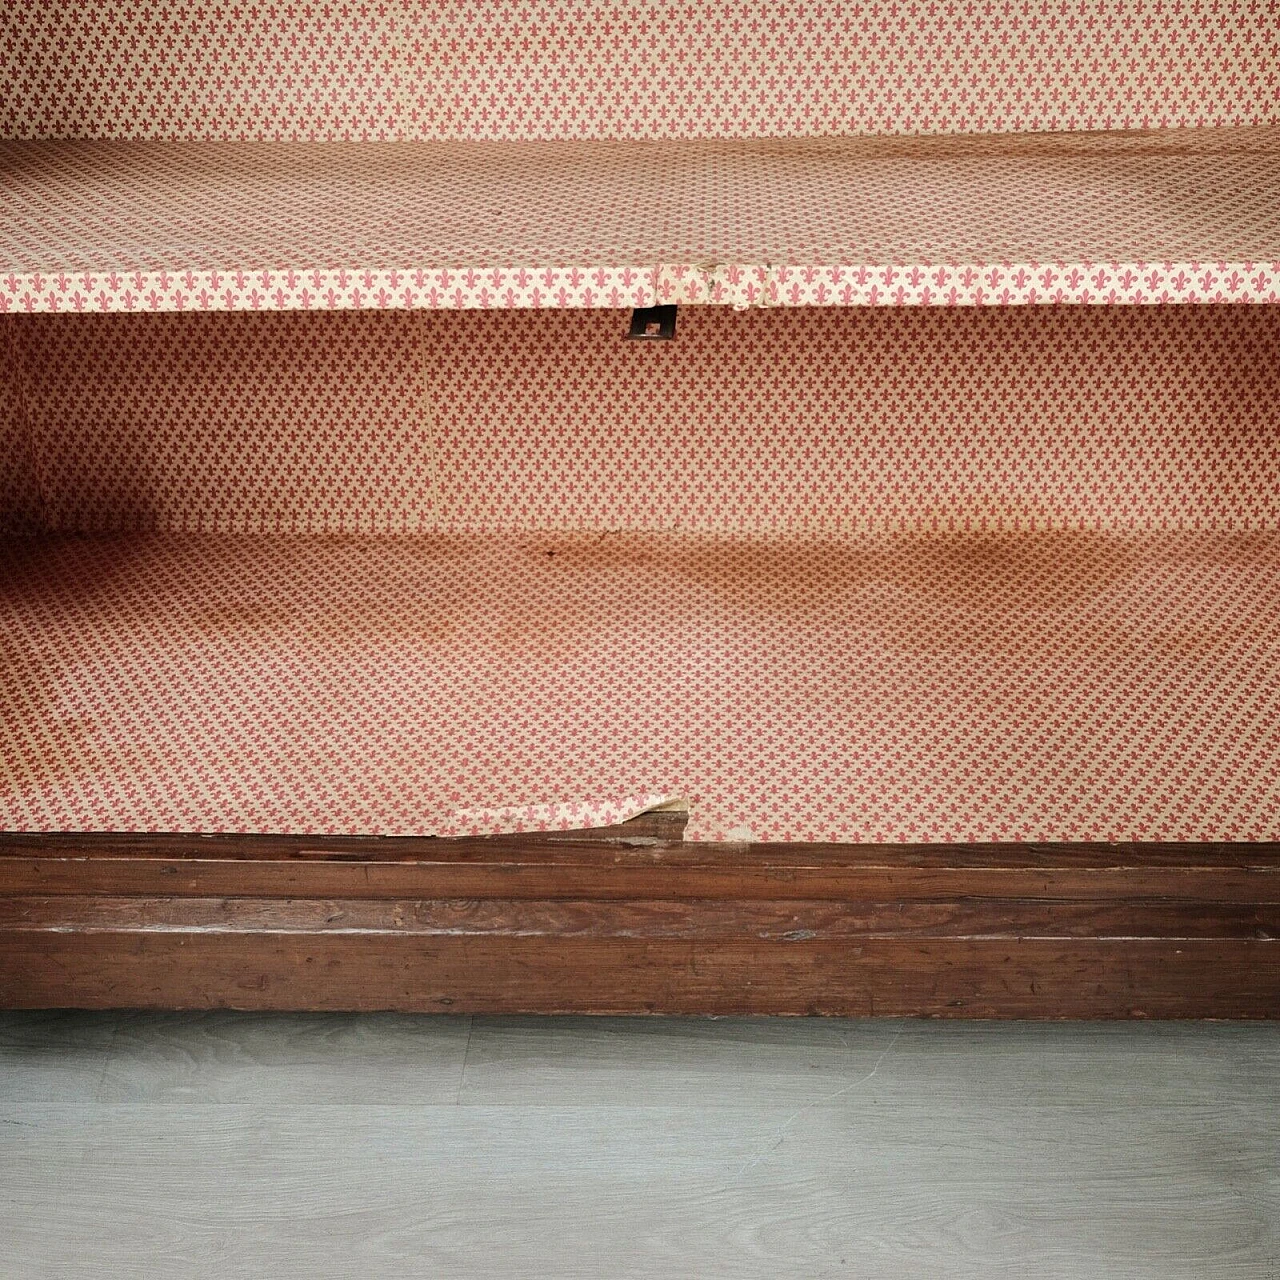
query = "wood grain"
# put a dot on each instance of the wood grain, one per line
(644, 859)
(683, 1148)
(710, 1062)
(634, 920)
(788, 921)
(949, 978)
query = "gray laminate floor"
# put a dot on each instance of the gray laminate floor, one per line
(224, 1145)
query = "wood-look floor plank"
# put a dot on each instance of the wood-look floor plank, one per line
(528, 1062)
(321, 1059)
(53, 1055)
(318, 1147)
(852, 1188)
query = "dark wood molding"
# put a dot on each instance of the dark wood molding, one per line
(642, 859)
(634, 920)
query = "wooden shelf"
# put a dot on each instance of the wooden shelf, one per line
(1179, 215)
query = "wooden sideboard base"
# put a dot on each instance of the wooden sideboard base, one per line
(633, 920)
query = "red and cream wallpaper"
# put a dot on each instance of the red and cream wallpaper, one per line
(880, 575)
(815, 420)
(243, 423)
(1118, 217)
(875, 687)
(18, 493)
(736, 68)
(829, 420)
(858, 573)
(467, 69)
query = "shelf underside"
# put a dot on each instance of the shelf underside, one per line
(1180, 215)
(879, 687)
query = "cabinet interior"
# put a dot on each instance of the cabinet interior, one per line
(816, 574)
(897, 638)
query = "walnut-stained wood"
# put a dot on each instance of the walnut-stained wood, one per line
(785, 921)
(1058, 978)
(634, 920)
(644, 859)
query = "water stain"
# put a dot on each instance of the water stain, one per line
(1006, 572)
(921, 592)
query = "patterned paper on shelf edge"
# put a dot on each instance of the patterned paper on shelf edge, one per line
(739, 285)
(562, 815)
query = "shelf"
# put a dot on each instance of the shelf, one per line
(876, 688)
(1180, 215)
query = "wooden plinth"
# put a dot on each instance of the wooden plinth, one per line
(633, 920)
